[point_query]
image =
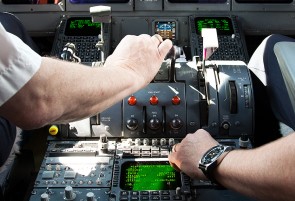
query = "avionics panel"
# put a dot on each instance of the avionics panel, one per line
(78, 26)
(137, 176)
(264, 1)
(84, 5)
(148, 179)
(83, 33)
(31, 5)
(114, 170)
(232, 44)
(197, 5)
(263, 5)
(197, 1)
(167, 28)
(223, 25)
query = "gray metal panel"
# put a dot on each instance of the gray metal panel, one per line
(213, 113)
(41, 24)
(138, 25)
(123, 26)
(148, 5)
(253, 22)
(197, 6)
(262, 6)
(242, 121)
(134, 26)
(85, 7)
(32, 7)
(265, 23)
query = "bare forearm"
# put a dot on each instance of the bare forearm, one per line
(265, 173)
(62, 92)
(59, 92)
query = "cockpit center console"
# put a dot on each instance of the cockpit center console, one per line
(122, 153)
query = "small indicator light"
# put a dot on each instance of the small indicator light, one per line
(175, 100)
(154, 100)
(132, 100)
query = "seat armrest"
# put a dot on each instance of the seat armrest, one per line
(285, 53)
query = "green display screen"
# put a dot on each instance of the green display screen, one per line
(198, 1)
(223, 25)
(264, 1)
(82, 26)
(156, 175)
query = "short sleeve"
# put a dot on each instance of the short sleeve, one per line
(18, 64)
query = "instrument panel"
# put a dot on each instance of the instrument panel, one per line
(260, 17)
(106, 169)
(124, 155)
(112, 159)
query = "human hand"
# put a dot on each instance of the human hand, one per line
(185, 156)
(142, 55)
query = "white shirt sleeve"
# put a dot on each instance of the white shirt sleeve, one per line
(18, 63)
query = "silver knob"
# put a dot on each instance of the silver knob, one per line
(44, 197)
(171, 141)
(69, 193)
(146, 141)
(137, 142)
(90, 196)
(154, 142)
(163, 141)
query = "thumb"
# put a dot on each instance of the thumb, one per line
(164, 48)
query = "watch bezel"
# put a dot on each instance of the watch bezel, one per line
(215, 159)
(212, 154)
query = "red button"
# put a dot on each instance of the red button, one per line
(175, 100)
(132, 100)
(154, 100)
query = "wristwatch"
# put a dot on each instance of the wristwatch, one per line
(211, 159)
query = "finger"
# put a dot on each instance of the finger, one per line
(157, 39)
(165, 47)
(174, 147)
(175, 167)
(171, 159)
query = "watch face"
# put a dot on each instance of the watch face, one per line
(212, 155)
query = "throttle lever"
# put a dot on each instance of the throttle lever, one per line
(174, 53)
(69, 53)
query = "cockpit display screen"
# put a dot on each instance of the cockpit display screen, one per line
(198, 1)
(264, 1)
(223, 25)
(148, 175)
(166, 29)
(30, 2)
(98, 1)
(82, 26)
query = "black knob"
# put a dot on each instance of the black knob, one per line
(132, 124)
(225, 125)
(154, 123)
(244, 141)
(176, 123)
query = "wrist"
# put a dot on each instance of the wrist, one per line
(123, 69)
(211, 159)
